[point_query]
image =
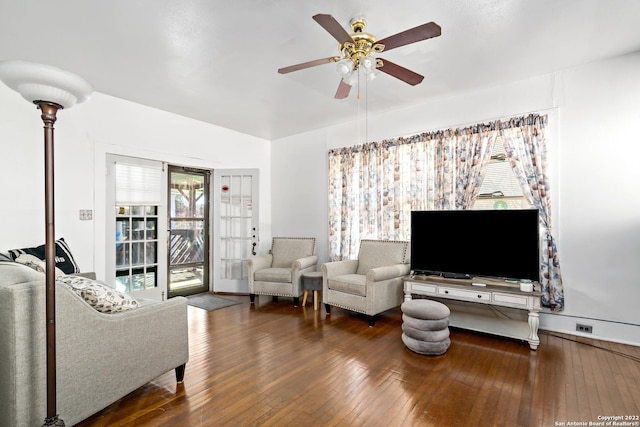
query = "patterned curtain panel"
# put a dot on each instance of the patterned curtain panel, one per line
(526, 147)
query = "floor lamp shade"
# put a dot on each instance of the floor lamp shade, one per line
(51, 89)
(39, 82)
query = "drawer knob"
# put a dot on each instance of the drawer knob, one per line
(446, 292)
(479, 296)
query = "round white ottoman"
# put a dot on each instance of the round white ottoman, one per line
(425, 326)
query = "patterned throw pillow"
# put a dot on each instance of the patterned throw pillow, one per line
(103, 298)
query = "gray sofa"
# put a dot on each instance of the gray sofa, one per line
(100, 357)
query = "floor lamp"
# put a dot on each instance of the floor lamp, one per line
(51, 89)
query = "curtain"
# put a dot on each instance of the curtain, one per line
(526, 147)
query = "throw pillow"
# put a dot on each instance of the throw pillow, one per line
(103, 298)
(36, 263)
(64, 259)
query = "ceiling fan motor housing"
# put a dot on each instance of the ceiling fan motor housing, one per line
(364, 44)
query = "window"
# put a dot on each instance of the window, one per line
(500, 188)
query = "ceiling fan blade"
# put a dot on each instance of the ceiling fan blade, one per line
(401, 73)
(343, 90)
(421, 32)
(333, 27)
(304, 65)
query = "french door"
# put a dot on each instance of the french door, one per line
(236, 235)
(188, 230)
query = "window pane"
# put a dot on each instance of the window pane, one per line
(151, 229)
(137, 253)
(122, 281)
(138, 229)
(122, 255)
(151, 253)
(500, 177)
(137, 280)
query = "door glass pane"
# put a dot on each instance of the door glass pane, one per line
(235, 224)
(187, 242)
(188, 231)
(136, 247)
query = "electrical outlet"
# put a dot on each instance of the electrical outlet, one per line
(86, 214)
(587, 329)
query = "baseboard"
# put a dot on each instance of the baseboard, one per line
(605, 330)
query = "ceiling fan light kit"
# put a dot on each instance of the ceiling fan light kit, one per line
(358, 50)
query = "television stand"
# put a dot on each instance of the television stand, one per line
(496, 308)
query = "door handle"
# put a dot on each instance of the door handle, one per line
(255, 241)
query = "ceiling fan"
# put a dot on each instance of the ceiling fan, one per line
(358, 48)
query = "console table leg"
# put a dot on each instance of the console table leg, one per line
(407, 296)
(534, 322)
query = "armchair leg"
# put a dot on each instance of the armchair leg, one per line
(180, 373)
(327, 307)
(296, 301)
(372, 321)
(252, 298)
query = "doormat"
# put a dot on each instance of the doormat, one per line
(210, 302)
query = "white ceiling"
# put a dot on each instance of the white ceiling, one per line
(216, 60)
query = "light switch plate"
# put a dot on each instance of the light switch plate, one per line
(86, 214)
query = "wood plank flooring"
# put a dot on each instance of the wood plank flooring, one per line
(276, 365)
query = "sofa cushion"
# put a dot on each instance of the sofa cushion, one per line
(103, 298)
(286, 250)
(354, 284)
(64, 259)
(282, 275)
(380, 253)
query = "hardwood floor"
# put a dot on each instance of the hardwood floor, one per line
(276, 365)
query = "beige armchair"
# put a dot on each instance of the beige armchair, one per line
(370, 284)
(278, 273)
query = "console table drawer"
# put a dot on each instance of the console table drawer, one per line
(422, 288)
(511, 300)
(465, 295)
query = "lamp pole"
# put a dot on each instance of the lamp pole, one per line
(49, 111)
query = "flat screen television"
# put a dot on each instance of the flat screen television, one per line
(470, 243)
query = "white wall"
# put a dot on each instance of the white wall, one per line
(84, 135)
(594, 146)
